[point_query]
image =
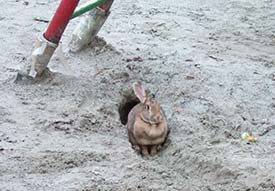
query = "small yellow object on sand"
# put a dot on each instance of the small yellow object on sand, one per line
(248, 137)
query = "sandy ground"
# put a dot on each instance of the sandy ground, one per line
(211, 65)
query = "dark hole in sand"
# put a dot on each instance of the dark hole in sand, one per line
(129, 101)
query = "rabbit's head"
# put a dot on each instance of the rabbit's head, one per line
(151, 110)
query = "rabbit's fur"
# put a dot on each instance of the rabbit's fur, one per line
(147, 125)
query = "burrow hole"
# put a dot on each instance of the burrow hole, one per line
(129, 100)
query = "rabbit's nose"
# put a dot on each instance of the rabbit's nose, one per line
(158, 118)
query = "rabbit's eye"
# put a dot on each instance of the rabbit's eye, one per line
(147, 107)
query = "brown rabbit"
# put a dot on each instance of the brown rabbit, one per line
(147, 125)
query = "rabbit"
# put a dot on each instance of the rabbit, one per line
(147, 125)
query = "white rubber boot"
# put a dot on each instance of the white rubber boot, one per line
(87, 29)
(41, 55)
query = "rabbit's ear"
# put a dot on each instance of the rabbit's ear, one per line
(139, 91)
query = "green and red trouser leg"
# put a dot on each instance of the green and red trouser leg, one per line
(60, 20)
(45, 45)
